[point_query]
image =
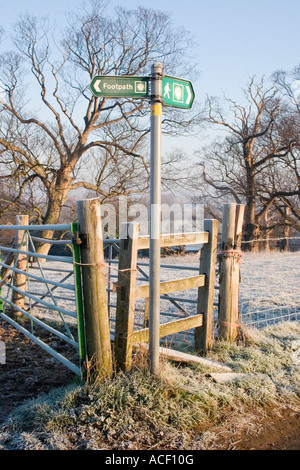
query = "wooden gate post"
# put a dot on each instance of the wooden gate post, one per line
(94, 286)
(229, 275)
(126, 294)
(203, 334)
(20, 280)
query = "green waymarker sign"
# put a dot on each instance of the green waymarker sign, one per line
(120, 87)
(177, 93)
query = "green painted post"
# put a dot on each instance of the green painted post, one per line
(78, 294)
(1, 302)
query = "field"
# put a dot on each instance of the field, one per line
(185, 408)
(269, 288)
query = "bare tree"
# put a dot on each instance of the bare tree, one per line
(289, 87)
(253, 164)
(75, 140)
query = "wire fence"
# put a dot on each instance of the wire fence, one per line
(267, 316)
(270, 286)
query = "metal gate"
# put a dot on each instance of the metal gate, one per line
(47, 307)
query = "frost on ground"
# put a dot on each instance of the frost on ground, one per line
(270, 286)
(182, 408)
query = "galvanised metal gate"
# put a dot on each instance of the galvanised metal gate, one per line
(51, 291)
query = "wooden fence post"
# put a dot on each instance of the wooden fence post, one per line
(203, 334)
(94, 286)
(229, 276)
(20, 280)
(126, 296)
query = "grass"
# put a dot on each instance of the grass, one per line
(174, 410)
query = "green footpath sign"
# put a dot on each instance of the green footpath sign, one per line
(177, 92)
(119, 87)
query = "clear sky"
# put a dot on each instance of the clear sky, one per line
(235, 39)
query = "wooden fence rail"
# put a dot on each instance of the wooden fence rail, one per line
(127, 291)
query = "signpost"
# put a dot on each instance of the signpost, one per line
(119, 87)
(177, 93)
(168, 91)
(155, 216)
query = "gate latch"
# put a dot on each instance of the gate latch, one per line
(76, 238)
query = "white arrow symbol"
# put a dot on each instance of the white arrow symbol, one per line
(97, 85)
(189, 95)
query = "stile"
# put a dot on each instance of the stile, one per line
(128, 292)
(208, 256)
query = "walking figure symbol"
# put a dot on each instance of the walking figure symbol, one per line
(167, 91)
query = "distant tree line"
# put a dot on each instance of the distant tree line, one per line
(257, 162)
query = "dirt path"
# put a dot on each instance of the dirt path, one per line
(29, 372)
(257, 430)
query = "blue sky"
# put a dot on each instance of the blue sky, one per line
(235, 39)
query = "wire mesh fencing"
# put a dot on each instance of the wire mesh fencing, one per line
(269, 288)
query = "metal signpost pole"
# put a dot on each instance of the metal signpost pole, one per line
(155, 216)
(167, 91)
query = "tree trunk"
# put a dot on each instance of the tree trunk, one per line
(252, 229)
(286, 231)
(267, 242)
(57, 198)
